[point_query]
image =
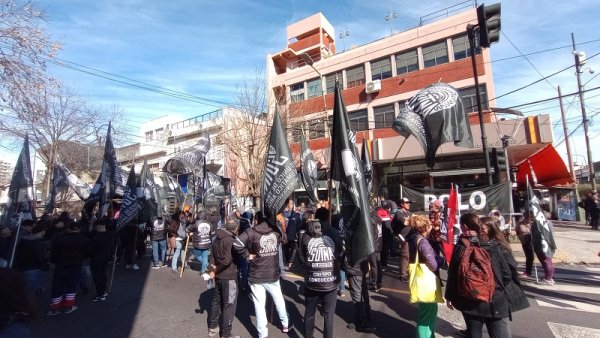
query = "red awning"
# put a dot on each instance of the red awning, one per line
(548, 167)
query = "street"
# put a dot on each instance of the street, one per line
(157, 303)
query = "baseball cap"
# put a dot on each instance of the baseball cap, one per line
(405, 200)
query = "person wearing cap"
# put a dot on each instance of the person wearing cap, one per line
(402, 229)
(67, 252)
(31, 259)
(223, 268)
(260, 246)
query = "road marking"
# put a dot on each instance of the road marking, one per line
(568, 331)
(405, 292)
(569, 288)
(567, 305)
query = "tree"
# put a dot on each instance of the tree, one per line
(24, 51)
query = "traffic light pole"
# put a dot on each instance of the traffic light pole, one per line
(488, 171)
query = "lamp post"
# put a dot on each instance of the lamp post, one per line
(389, 17)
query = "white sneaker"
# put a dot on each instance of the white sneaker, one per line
(205, 276)
(135, 267)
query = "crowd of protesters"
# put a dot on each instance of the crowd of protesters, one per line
(244, 253)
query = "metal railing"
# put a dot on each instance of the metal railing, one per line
(447, 11)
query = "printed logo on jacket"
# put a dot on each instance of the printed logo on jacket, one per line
(268, 245)
(321, 258)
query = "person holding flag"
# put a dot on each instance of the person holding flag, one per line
(542, 236)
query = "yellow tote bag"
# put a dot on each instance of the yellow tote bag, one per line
(425, 286)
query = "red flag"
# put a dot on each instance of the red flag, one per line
(448, 244)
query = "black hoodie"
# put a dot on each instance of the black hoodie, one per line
(320, 256)
(222, 256)
(263, 242)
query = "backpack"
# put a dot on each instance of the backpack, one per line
(475, 274)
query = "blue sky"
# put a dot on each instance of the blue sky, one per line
(206, 48)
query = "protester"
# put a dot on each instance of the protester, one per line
(524, 234)
(292, 223)
(538, 247)
(180, 240)
(594, 210)
(476, 313)
(387, 235)
(419, 245)
(67, 252)
(102, 244)
(158, 240)
(376, 271)
(202, 233)
(245, 224)
(402, 229)
(320, 251)
(224, 269)
(496, 215)
(16, 309)
(5, 245)
(260, 246)
(435, 218)
(127, 237)
(359, 292)
(32, 259)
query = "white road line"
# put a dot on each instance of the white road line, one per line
(569, 331)
(568, 304)
(568, 288)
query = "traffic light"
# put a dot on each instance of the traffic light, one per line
(499, 163)
(488, 18)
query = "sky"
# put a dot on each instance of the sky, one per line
(205, 49)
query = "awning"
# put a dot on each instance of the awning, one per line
(548, 168)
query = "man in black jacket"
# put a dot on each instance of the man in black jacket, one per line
(158, 239)
(260, 246)
(32, 259)
(402, 230)
(223, 267)
(102, 244)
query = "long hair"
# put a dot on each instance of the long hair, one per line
(493, 232)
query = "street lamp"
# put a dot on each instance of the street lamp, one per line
(389, 17)
(344, 35)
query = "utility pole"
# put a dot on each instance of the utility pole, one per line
(568, 146)
(578, 64)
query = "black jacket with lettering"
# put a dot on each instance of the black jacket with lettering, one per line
(158, 230)
(320, 257)
(263, 242)
(202, 232)
(222, 256)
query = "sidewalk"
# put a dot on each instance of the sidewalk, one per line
(576, 244)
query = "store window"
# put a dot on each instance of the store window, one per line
(297, 92)
(407, 62)
(359, 120)
(435, 54)
(355, 76)
(460, 44)
(384, 116)
(315, 87)
(381, 69)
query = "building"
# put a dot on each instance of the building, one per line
(377, 78)
(5, 173)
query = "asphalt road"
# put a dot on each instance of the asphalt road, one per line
(157, 303)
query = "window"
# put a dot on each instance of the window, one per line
(381, 69)
(470, 100)
(316, 129)
(402, 104)
(315, 87)
(297, 92)
(435, 54)
(159, 132)
(359, 120)
(407, 62)
(384, 116)
(330, 81)
(149, 135)
(297, 131)
(355, 76)
(460, 45)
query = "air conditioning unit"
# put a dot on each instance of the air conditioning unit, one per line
(373, 86)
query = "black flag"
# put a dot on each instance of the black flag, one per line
(309, 170)
(81, 189)
(541, 228)
(149, 194)
(435, 116)
(367, 166)
(20, 192)
(110, 177)
(59, 179)
(189, 160)
(130, 207)
(347, 169)
(280, 178)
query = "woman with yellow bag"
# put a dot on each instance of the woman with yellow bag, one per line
(425, 284)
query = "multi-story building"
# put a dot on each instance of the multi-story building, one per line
(5, 173)
(376, 80)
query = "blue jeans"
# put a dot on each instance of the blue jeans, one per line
(202, 255)
(35, 279)
(343, 280)
(176, 254)
(159, 251)
(259, 297)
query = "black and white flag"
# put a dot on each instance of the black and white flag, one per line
(58, 180)
(309, 170)
(149, 194)
(280, 177)
(81, 189)
(130, 206)
(210, 184)
(367, 166)
(541, 228)
(435, 116)
(21, 202)
(189, 160)
(347, 169)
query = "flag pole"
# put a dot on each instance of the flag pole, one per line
(14, 248)
(391, 164)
